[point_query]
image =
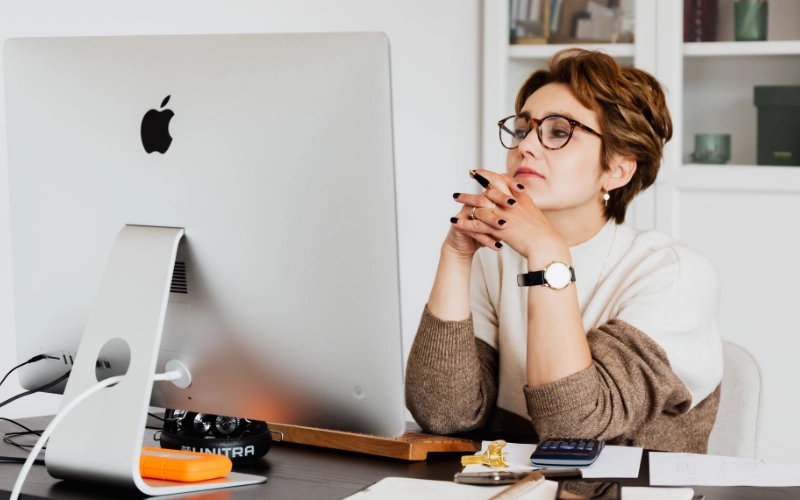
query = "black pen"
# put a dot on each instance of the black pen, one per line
(483, 181)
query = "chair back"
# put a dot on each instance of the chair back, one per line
(735, 432)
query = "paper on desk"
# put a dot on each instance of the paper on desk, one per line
(614, 461)
(667, 469)
(422, 489)
(639, 493)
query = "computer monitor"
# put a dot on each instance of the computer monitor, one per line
(278, 164)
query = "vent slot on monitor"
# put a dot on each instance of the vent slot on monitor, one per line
(179, 279)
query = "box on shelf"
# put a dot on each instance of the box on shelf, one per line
(778, 125)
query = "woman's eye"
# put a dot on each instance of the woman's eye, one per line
(559, 133)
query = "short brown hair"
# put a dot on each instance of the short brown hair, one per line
(631, 110)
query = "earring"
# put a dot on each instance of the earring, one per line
(606, 197)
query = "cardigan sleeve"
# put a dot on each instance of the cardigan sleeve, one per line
(451, 376)
(629, 385)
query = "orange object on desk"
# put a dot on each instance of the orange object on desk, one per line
(183, 466)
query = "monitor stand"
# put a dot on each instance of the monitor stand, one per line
(101, 439)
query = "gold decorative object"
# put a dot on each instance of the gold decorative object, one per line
(493, 457)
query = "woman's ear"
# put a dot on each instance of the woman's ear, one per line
(622, 170)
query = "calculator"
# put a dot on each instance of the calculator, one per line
(567, 452)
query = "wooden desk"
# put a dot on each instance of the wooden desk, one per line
(296, 471)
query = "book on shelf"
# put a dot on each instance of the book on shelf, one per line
(527, 21)
(699, 20)
(571, 21)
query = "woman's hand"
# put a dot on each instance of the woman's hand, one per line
(514, 220)
(464, 240)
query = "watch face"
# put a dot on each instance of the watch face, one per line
(557, 275)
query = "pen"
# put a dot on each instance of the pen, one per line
(516, 490)
(483, 181)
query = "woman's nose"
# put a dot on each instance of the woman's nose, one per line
(531, 144)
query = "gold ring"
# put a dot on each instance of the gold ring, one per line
(472, 213)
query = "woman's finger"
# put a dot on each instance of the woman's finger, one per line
(489, 199)
(499, 197)
(513, 184)
(482, 238)
(482, 220)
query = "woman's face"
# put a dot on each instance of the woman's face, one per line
(566, 178)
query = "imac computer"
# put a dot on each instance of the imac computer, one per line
(226, 202)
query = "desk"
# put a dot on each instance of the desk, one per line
(296, 471)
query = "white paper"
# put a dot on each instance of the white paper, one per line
(422, 489)
(614, 461)
(668, 469)
(639, 493)
(392, 488)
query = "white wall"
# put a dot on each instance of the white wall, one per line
(435, 48)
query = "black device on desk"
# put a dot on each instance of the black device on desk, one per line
(572, 452)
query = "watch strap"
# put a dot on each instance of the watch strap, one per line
(533, 278)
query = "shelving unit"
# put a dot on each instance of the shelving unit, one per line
(738, 178)
(715, 82)
(739, 214)
(741, 49)
(546, 51)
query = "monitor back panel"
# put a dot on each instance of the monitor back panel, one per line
(280, 169)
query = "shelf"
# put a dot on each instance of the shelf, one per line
(546, 51)
(746, 178)
(738, 49)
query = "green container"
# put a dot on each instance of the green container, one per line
(751, 20)
(778, 125)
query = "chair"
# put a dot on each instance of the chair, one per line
(735, 433)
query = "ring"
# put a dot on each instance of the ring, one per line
(472, 213)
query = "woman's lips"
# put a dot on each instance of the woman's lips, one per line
(528, 172)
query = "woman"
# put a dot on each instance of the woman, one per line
(618, 338)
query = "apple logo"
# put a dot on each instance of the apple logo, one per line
(155, 129)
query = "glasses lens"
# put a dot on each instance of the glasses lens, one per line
(513, 130)
(555, 132)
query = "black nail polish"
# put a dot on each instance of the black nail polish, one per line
(501, 222)
(511, 202)
(520, 186)
(498, 244)
(453, 219)
(456, 195)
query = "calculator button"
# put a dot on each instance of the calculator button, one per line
(581, 445)
(590, 446)
(567, 446)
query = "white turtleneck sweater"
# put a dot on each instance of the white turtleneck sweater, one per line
(647, 279)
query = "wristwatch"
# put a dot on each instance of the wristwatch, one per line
(557, 276)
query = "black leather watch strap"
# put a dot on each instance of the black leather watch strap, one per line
(536, 278)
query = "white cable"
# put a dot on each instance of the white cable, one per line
(170, 375)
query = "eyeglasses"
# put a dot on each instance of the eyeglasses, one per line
(554, 131)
